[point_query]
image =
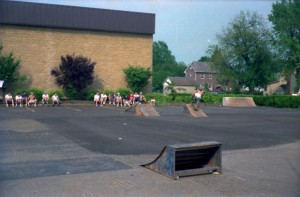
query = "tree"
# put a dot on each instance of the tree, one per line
(243, 55)
(137, 77)
(286, 27)
(8, 68)
(164, 65)
(74, 73)
(204, 59)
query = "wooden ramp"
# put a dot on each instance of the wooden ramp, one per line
(146, 110)
(197, 113)
(238, 102)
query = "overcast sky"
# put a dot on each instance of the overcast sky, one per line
(187, 26)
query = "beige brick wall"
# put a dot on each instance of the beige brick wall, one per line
(40, 49)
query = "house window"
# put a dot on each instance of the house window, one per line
(210, 76)
(202, 76)
(210, 87)
(190, 74)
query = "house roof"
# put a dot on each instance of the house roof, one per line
(201, 67)
(182, 81)
(72, 17)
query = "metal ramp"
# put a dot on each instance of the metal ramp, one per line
(179, 160)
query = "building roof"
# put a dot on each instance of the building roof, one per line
(201, 67)
(182, 81)
(72, 17)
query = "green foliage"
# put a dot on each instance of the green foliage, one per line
(137, 77)
(58, 92)
(8, 68)
(183, 98)
(89, 95)
(164, 65)
(74, 74)
(285, 18)
(124, 92)
(243, 55)
(159, 98)
(71, 92)
(212, 98)
(278, 101)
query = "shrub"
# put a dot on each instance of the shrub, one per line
(279, 101)
(159, 98)
(89, 95)
(58, 92)
(124, 92)
(74, 73)
(137, 77)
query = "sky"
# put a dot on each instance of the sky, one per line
(187, 26)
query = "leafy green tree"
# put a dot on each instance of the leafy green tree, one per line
(137, 77)
(204, 59)
(8, 69)
(243, 55)
(285, 16)
(164, 65)
(74, 73)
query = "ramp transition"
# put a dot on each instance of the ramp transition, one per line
(197, 113)
(238, 102)
(179, 160)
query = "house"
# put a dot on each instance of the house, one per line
(284, 85)
(180, 84)
(204, 75)
(39, 34)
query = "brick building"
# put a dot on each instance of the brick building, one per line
(203, 74)
(39, 34)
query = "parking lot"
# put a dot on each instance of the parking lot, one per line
(83, 150)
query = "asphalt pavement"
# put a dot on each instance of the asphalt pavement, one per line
(84, 150)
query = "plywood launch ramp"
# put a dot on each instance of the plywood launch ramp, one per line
(195, 112)
(238, 102)
(146, 110)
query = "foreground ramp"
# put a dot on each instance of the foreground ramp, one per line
(146, 110)
(238, 102)
(194, 112)
(179, 160)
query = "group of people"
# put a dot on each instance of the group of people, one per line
(24, 99)
(116, 99)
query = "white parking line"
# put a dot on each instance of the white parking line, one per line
(74, 109)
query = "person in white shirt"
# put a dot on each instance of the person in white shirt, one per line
(103, 99)
(119, 100)
(19, 100)
(198, 96)
(97, 99)
(9, 99)
(45, 98)
(55, 100)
